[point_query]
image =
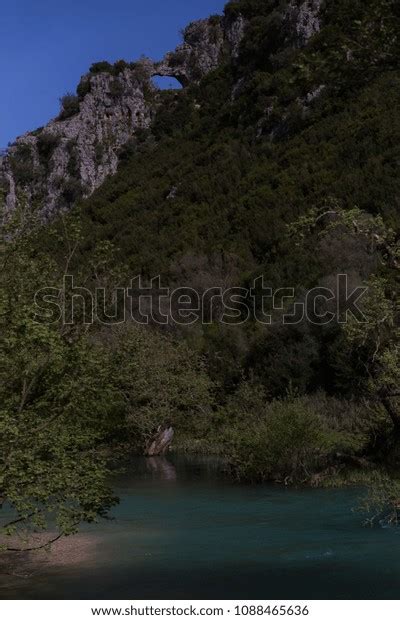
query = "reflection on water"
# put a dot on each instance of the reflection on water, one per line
(162, 468)
(183, 530)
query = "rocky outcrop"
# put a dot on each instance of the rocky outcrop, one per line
(304, 20)
(205, 45)
(234, 33)
(72, 155)
(200, 53)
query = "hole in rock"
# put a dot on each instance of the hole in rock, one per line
(166, 83)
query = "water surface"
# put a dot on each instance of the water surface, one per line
(184, 531)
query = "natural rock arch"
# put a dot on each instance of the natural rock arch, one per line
(162, 82)
(178, 73)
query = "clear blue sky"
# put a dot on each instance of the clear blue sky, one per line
(46, 45)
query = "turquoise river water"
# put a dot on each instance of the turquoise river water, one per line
(184, 531)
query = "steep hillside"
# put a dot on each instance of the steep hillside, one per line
(227, 163)
(278, 158)
(301, 114)
(71, 156)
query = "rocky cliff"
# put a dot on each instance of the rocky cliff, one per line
(73, 154)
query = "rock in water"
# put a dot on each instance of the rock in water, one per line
(159, 445)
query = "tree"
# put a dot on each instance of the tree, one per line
(162, 382)
(69, 393)
(375, 341)
(55, 399)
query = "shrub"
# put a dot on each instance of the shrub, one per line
(72, 191)
(22, 164)
(116, 88)
(214, 20)
(4, 188)
(232, 10)
(285, 355)
(46, 144)
(73, 162)
(382, 501)
(194, 33)
(101, 67)
(141, 70)
(83, 88)
(251, 8)
(177, 58)
(293, 439)
(69, 106)
(127, 150)
(120, 66)
(37, 131)
(285, 444)
(99, 151)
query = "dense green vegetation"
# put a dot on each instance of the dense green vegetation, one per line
(240, 176)
(242, 170)
(73, 399)
(225, 188)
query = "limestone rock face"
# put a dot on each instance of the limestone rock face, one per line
(206, 43)
(110, 113)
(304, 20)
(234, 33)
(72, 155)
